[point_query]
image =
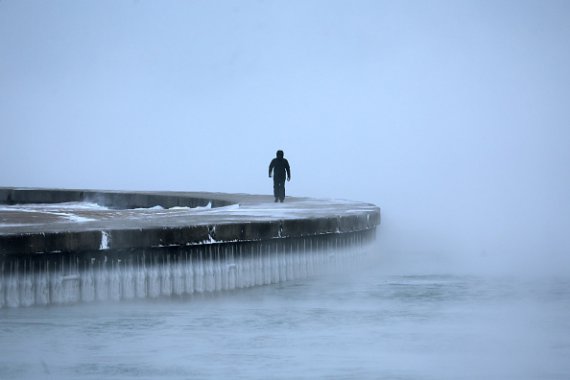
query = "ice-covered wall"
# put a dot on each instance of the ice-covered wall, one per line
(105, 253)
(176, 271)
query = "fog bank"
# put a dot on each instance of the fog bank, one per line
(451, 116)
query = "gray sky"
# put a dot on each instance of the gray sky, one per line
(452, 116)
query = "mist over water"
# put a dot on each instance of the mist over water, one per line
(377, 318)
(451, 116)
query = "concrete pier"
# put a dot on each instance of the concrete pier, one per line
(68, 246)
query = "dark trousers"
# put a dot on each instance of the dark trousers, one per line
(279, 190)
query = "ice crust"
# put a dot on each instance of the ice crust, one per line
(91, 214)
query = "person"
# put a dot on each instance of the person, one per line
(280, 168)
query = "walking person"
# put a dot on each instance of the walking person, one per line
(281, 170)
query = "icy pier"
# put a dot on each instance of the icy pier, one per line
(68, 246)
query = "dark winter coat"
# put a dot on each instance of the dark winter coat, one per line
(280, 168)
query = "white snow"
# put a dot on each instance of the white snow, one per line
(104, 240)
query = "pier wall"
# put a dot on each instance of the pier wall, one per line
(193, 243)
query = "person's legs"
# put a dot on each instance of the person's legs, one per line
(282, 191)
(276, 190)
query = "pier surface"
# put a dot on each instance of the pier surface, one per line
(36, 221)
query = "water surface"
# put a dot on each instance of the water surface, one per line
(363, 322)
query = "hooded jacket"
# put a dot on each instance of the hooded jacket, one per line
(280, 168)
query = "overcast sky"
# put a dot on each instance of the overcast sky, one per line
(453, 116)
